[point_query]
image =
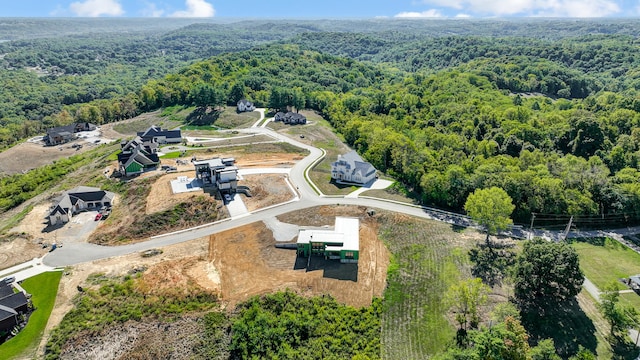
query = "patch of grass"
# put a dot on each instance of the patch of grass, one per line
(395, 192)
(144, 121)
(604, 260)
(424, 265)
(230, 119)
(198, 128)
(114, 156)
(632, 299)
(15, 219)
(43, 288)
(174, 155)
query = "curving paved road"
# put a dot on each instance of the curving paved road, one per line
(307, 197)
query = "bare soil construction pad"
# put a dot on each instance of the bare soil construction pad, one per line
(249, 264)
(28, 156)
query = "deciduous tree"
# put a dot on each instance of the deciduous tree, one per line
(491, 208)
(546, 273)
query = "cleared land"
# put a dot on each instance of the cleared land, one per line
(27, 156)
(249, 264)
(428, 257)
(141, 122)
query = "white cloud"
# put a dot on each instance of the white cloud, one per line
(432, 13)
(151, 10)
(196, 8)
(463, 16)
(552, 8)
(95, 8)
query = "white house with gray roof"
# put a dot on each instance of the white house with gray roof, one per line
(351, 168)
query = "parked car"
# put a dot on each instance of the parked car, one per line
(98, 217)
(9, 279)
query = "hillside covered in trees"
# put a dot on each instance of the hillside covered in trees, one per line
(551, 117)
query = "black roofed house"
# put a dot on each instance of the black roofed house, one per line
(245, 105)
(5, 289)
(76, 200)
(12, 306)
(352, 169)
(156, 134)
(17, 301)
(290, 118)
(62, 134)
(138, 156)
(8, 319)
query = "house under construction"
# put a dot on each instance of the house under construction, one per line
(343, 242)
(218, 174)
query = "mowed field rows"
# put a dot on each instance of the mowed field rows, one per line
(427, 257)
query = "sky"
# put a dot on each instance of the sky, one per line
(321, 8)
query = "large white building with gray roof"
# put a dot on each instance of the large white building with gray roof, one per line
(350, 168)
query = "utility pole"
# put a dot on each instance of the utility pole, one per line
(533, 216)
(566, 231)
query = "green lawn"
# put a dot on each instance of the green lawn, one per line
(43, 288)
(604, 260)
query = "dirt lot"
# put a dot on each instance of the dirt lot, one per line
(28, 156)
(249, 264)
(266, 190)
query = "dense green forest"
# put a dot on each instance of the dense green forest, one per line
(51, 66)
(552, 119)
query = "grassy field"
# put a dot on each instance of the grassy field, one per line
(43, 288)
(425, 262)
(604, 260)
(144, 121)
(230, 119)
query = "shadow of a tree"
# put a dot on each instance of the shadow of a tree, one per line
(491, 262)
(565, 323)
(203, 116)
(623, 348)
